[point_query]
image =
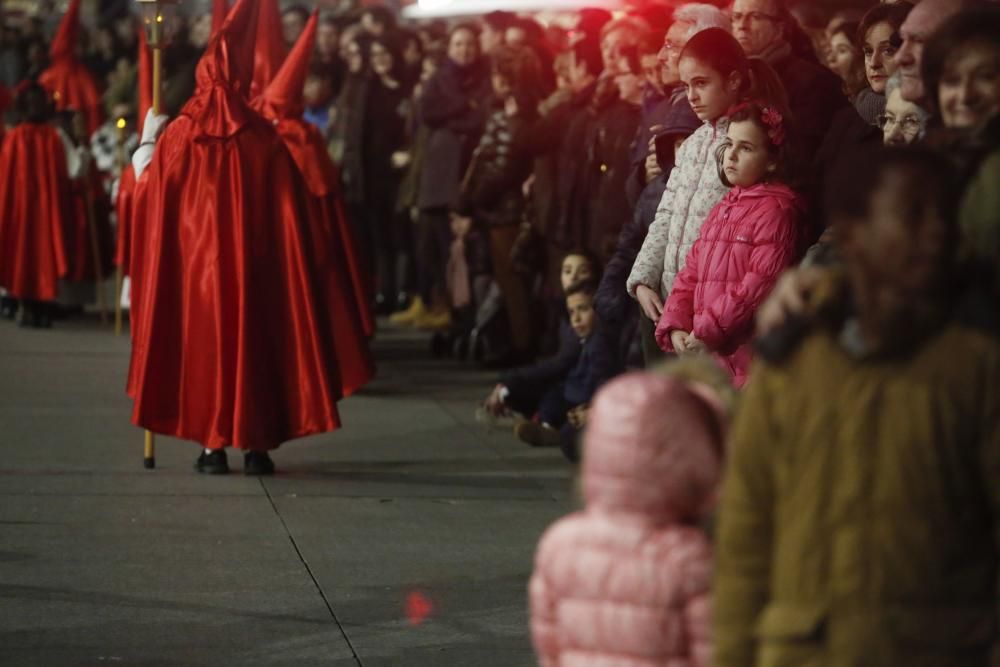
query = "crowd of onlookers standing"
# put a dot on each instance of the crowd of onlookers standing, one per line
(799, 213)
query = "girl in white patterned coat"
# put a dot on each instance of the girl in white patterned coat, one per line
(717, 75)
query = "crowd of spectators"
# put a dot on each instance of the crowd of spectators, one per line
(802, 216)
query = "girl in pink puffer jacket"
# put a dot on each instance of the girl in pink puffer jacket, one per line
(748, 240)
(625, 581)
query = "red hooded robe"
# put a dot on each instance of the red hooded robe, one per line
(220, 9)
(68, 80)
(345, 291)
(34, 197)
(230, 341)
(269, 48)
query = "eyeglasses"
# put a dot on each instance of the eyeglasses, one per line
(909, 124)
(672, 46)
(754, 17)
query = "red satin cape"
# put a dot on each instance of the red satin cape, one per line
(34, 202)
(305, 144)
(234, 339)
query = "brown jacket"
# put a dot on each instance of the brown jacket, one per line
(858, 523)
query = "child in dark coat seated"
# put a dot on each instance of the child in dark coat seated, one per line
(559, 389)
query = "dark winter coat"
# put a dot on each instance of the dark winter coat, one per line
(595, 166)
(581, 365)
(383, 133)
(612, 302)
(545, 139)
(815, 95)
(492, 191)
(850, 142)
(349, 132)
(454, 106)
(598, 363)
(547, 371)
(673, 109)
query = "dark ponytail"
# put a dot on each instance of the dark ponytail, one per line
(758, 81)
(719, 50)
(765, 86)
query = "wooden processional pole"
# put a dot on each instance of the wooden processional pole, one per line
(156, 43)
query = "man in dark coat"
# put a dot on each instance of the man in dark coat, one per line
(766, 29)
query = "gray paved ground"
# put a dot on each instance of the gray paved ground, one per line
(102, 562)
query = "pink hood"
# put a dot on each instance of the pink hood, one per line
(653, 447)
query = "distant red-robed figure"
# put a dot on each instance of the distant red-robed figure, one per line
(68, 80)
(35, 200)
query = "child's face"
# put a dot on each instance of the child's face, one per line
(582, 317)
(316, 92)
(746, 160)
(709, 92)
(575, 269)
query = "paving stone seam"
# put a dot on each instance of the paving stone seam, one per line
(312, 576)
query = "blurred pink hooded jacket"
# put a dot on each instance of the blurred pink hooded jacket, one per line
(625, 582)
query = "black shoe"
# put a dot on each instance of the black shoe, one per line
(384, 306)
(460, 347)
(536, 435)
(8, 307)
(570, 445)
(27, 314)
(212, 464)
(440, 345)
(43, 316)
(257, 463)
(402, 301)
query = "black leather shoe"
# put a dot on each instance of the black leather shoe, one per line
(257, 463)
(8, 307)
(212, 464)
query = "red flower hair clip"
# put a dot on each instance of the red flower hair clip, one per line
(773, 120)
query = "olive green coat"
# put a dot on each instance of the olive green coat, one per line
(859, 513)
(979, 217)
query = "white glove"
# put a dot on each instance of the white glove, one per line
(125, 298)
(85, 160)
(151, 130)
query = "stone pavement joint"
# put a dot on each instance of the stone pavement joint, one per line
(305, 565)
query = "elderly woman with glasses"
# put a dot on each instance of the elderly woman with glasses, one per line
(902, 122)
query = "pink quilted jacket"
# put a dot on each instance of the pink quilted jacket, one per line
(625, 582)
(748, 240)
